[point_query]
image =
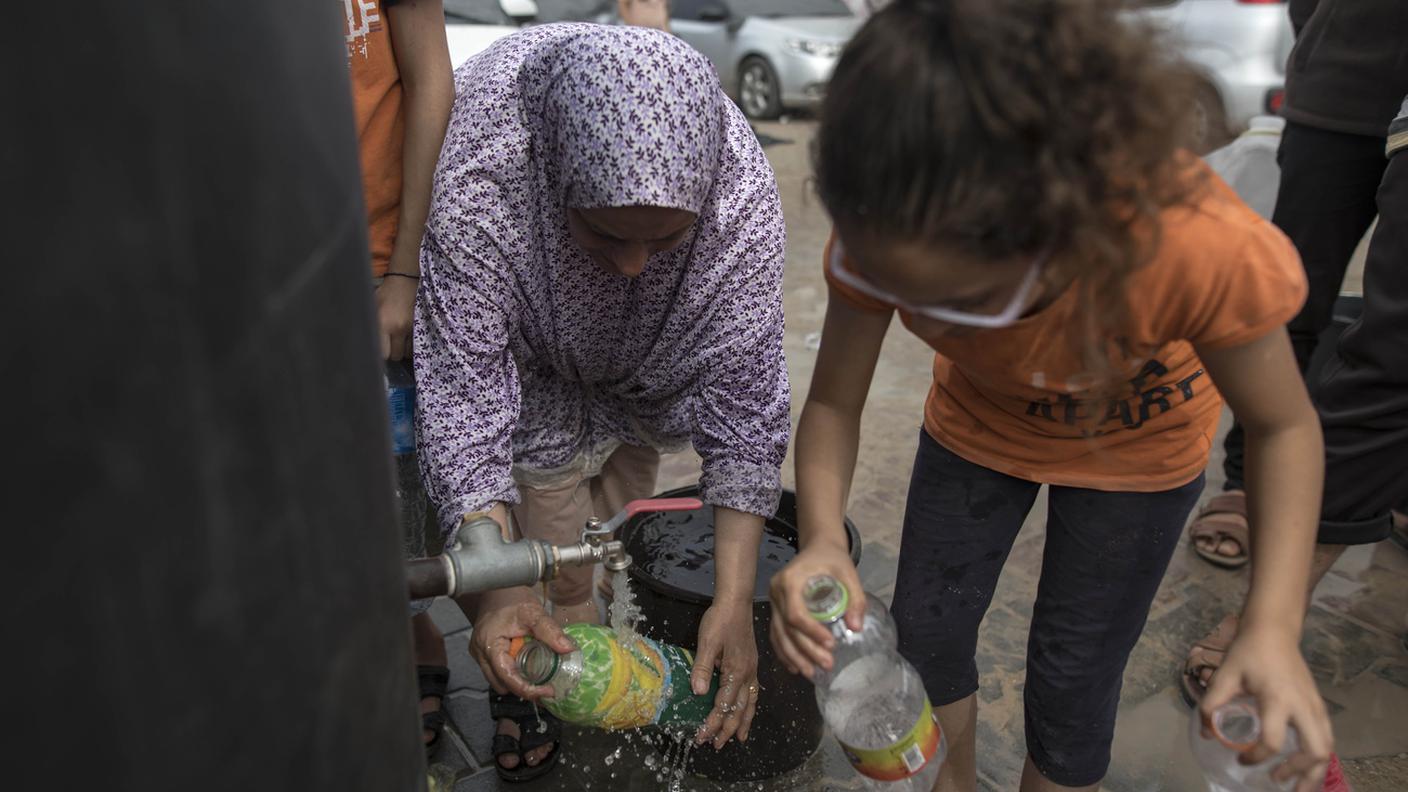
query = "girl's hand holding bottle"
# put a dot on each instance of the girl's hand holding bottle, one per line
(801, 641)
(1265, 663)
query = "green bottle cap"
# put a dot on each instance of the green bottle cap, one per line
(826, 598)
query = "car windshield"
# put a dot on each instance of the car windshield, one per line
(476, 12)
(789, 8)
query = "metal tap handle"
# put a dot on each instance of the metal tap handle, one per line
(644, 505)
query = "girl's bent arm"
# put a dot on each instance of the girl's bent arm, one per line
(1285, 463)
(827, 439)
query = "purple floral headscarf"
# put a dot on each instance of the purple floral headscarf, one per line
(531, 362)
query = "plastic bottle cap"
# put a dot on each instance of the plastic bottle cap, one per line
(826, 598)
(1236, 725)
(515, 646)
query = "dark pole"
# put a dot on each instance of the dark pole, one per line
(203, 588)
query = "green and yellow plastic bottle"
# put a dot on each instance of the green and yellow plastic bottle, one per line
(607, 685)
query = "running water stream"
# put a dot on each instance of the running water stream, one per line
(624, 617)
(624, 614)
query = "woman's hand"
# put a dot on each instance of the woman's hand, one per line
(726, 640)
(1266, 664)
(801, 641)
(502, 616)
(395, 315)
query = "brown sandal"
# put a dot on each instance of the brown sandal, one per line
(1223, 519)
(1207, 653)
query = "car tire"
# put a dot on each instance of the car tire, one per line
(759, 92)
(1210, 127)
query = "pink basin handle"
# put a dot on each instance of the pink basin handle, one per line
(651, 505)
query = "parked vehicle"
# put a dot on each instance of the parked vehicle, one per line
(472, 25)
(1239, 50)
(771, 55)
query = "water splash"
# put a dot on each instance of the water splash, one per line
(542, 725)
(624, 613)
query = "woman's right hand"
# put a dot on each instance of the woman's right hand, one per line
(502, 616)
(801, 641)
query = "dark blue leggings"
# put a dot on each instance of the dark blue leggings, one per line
(1105, 555)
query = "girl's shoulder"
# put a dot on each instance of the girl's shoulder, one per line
(1220, 274)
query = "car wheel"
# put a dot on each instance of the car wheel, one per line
(1210, 129)
(759, 92)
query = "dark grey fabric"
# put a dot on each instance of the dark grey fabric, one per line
(1349, 68)
(1324, 204)
(1362, 394)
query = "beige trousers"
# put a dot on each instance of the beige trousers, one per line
(557, 513)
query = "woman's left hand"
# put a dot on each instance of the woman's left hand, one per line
(726, 640)
(1266, 664)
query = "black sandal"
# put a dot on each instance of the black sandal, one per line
(535, 727)
(433, 680)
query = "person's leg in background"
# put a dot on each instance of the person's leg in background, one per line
(428, 644)
(1325, 204)
(629, 474)
(552, 512)
(960, 520)
(1362, 395)
(555, 513)
(1106, 553)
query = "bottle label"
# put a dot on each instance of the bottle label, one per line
(402, 406)
(904, 758)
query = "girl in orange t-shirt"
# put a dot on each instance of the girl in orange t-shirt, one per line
(1006, 174)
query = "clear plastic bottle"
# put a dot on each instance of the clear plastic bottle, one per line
(872, 698)
(1235, 727)
(411, 504)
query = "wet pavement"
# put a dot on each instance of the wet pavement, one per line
(1353, 636)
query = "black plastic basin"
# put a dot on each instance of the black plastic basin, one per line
(673, 580)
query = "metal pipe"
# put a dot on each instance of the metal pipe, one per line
(429, 577)
(482, 559)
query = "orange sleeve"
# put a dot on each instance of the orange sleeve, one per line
(1248, 294)
(845, 292)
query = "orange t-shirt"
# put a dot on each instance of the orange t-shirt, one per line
(376, 99)
(1018, 400)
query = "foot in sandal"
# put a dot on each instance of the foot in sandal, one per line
(1204, 658)
(526, 742)
(1219, 532)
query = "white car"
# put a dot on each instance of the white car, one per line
(472, 25)
(1239, 50)
(771, 55)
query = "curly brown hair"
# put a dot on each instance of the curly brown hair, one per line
(1008, 127)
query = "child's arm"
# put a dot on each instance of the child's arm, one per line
(1284, 475)
(423, 60)
(828, 436)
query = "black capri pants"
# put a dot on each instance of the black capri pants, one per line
(1106, 553)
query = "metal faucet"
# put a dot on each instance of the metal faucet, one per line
(482, 559)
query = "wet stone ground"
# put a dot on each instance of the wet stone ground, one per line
(1353, 635)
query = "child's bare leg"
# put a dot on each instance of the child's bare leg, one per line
(959, 722)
